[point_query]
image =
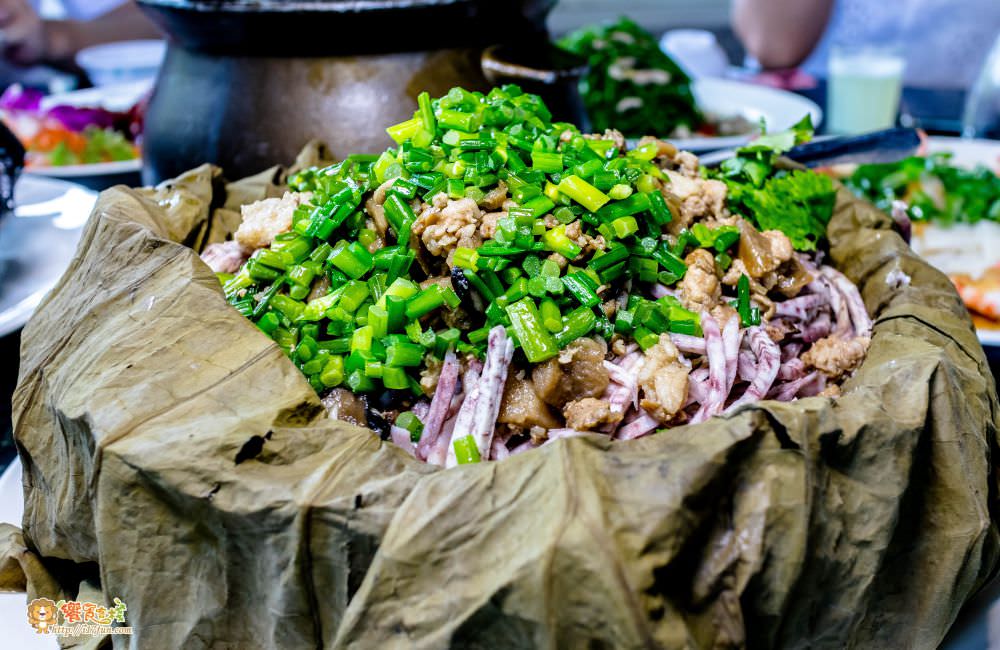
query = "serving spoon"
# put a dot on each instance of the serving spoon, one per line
(886, 146)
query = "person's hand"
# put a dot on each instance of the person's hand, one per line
(22, 32)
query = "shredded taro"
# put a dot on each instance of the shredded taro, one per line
(497, 281)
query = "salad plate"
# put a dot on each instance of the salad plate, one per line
(113, 168)
(957, 236)
(968, 152)
(89, 136)
(37, 243)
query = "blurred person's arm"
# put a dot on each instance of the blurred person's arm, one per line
(27, 38)
(780, 33)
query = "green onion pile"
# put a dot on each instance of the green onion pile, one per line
(586, 246)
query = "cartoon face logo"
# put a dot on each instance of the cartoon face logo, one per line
(42, 615)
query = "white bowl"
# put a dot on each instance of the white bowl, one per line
(124, 61)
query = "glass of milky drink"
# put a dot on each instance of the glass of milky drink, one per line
(863, 88)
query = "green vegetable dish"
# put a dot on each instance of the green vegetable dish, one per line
(497, 281)
(932, 189)
(632, 86)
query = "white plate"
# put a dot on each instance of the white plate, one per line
(37, 243)
(13, 607)
(780, 110)
(969, 153)
(94, 169)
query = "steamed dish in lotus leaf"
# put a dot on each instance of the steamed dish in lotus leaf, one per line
(497, 281)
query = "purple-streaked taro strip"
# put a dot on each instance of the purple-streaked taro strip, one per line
(421, 409)
(659, 291)
(620, 395)
(746, 368)
(438, 454)
(638, 427)
(440, 404)
(625, 379)
(791, 369)
(800, 307)
(556, 434)
(401, 437)
(855, 305)
(499, 451)
(816, 329)
(479, 419)
(786, 391)
(768, 361)
(688, 343)
(697, 386)
(527, 445)
(731, 337)
(716, 353)
(814, 387)
(790, 350)
(841, 313)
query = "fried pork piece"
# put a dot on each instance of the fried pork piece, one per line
(700, 289)
(587, 244)
(495, 198)
(589, 414)
(663, 380)
(266, 219)
(443, 229)
(837, 357)
(342, 404)
(761, 253)
(488, 227)
(375, 207)
(225, 257)
(576, 373)
(522, 407)
(698, 199)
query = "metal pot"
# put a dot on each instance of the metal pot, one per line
(246, 83)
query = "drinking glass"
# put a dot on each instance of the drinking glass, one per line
(864, 84)
(981, 118)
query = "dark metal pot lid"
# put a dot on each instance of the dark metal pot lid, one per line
(345, 27)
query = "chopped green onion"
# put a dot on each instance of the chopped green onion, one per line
(581, 287)
(632, 205)
(333, 373)
(466, 450)
(407, 420)
(583, 192)
(658, 208)
(362, 339)
(576, 324)
(620, 191)
(537, 343)
(425, 302)
(551, 318)
(556, 240)
(546, 162)
(403, 354)
(608, 258)
(351, 258)
(624, 227)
